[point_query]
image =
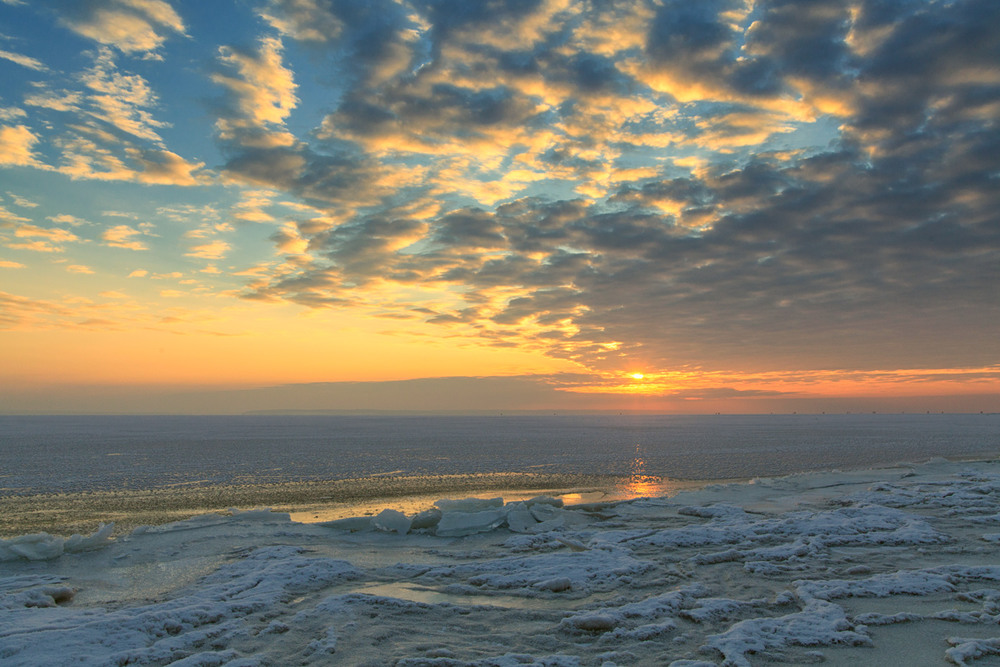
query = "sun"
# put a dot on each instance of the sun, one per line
(636, 376)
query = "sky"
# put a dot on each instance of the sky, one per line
(723, 205)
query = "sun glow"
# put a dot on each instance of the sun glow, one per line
(636, 376)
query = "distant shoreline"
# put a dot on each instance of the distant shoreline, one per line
(325, 500)
(492, 413)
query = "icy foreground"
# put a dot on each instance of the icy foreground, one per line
(897, 566)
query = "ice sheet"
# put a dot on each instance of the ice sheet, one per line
(847, 568)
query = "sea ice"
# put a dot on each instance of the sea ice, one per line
(818, 624)
(392, 521)
(798, 569)
(42, 546)
(455, 523)
(520, 520)
(218, 611)
(964, 650)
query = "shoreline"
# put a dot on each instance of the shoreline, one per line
(314, 501)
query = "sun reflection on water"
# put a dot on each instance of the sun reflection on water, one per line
(638, 484)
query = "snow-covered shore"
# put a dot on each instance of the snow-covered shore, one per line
(891, 566)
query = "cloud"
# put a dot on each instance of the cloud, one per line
(665, 185)
(303, 20)
(66, 219)
(123, 236)
(12, 113)
(43, 239)
(261, 94)
(36, 246)
(382, 38)
(23, 60)
(84, 158)
(110, 312)
(815, 253)
(7, 218)
(252, 206)
(120, 99)
(16, 146)
(927, 73)
(288, 239)
(131, 26)
(160, 167)
(112, 134)
(206, 215)
(23, 202)
(79, 268)
(63, 100)
(8, 264)
(22, 312)
(213, 250)
(473, 101)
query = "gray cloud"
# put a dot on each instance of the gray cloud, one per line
(878, 249)
(698, 41)
(803, 38)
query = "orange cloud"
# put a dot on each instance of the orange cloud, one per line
(129, 25)
(16, 146)
(79, 268)
(214, 250)
(123, 236)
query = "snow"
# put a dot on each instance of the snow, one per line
(817, 624)
(964, 650)
(845, 568)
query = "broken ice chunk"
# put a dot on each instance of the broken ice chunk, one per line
(392, 521)
(460, 524)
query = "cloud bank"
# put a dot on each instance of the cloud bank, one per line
(714, 185)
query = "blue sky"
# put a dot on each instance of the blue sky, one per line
(731, 197)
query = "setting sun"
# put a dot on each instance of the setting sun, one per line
(637, 376)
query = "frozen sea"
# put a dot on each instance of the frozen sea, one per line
(93, 453)
(68, 473)
(843, 539)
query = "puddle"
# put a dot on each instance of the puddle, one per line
(415, 593)
(623, 489)
(411, 505)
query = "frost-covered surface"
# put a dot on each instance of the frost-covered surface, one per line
(895, 566)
